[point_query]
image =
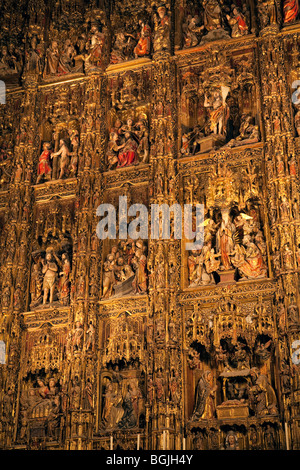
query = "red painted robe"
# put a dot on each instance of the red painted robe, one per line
(44, 167)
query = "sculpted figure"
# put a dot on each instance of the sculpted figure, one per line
(125, 268)
(161, 38)
(6, 293)
(54, 418)
(128, 143)
(36, 283)
(44, 168)
(128, 154)
(108, 276)
(140, 263)
(67, 57)
(52, 59)
(250, 262)
(204, 401)
(49, 271)
(42, 390)
(231, 441)
(263, 350)
(249, 132)
(130, 406)
(90, 337)
(218, 110)
(237, 22)
(123, 48)
(64, 281)
(74, 139)
(33, 58)
(212, 15)
(268, 12)
(290, 10)
(143, 46)
(201, 264)
(64, 153)
(241, 356)
(112, 409)
(142, 133)
(191, 31)
(112, 150)
(8, 62)
(262, 395)
(78, 336)
(225, 241)
(95, 48)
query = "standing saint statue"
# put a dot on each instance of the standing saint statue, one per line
(212, 15)
(49, 271)
(204, 401)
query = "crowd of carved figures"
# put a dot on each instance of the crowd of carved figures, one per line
(75, 47)
(131, 343)
(233, 235)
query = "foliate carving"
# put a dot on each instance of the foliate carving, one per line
(125, 339)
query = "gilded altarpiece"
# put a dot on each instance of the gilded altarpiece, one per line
(143, 343)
